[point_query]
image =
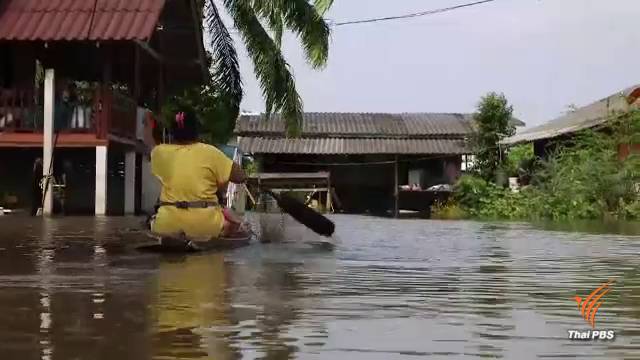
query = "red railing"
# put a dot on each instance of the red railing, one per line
(116, 114)
(110, 112)
(18, 111)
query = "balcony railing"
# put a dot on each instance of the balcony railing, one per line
(109, 112)
(18, 110)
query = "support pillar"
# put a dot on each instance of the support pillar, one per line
(101, 180)
(47, 148)
(129, 182)
(396, 190)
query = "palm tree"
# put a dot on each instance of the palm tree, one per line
(272, 70)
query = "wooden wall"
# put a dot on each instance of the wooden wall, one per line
(366, 187)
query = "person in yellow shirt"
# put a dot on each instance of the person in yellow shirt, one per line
(191, 173)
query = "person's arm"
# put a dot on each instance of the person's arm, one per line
(238, 175)
(226, 170)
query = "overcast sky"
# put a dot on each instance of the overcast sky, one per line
(542, 54)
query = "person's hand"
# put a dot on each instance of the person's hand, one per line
(238, 175)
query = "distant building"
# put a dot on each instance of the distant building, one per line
(547, 136)
(368, 155)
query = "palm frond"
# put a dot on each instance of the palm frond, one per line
(226, 77)
(273, 72)
(268, 11)
(305, 20)
(277, 26)
(322, 6)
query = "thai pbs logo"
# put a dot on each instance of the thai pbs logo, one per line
(588, 308)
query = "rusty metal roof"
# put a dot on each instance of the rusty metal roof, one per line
(369, 125)
(328, 146)
(50, 20)
(361, 124)
(592, 115)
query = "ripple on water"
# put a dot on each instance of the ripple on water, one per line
(391, 289)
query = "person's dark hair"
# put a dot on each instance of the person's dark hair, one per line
(184, 125)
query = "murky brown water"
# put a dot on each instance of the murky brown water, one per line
(390, 290)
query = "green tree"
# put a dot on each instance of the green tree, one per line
(493, 120)
(272, 70)
(217, 116)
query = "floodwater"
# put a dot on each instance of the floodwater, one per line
(391, 289)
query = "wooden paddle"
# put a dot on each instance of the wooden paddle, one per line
(303, 214)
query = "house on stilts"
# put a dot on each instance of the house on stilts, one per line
(96, 69)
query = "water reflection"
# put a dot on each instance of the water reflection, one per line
(191, 296)
(209, 308)
(390, 290)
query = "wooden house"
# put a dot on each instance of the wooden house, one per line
(96, 69)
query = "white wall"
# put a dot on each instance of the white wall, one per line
(129, 182)
(101, 180)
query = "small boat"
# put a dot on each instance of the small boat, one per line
(181, 243)
(144, 239)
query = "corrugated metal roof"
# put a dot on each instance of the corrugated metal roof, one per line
(328, 146)
(361, 124)
(50, 20)
(583, 118)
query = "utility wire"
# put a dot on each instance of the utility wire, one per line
(399, 17)
(413, 15)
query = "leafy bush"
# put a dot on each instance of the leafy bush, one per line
(519, 160)
(583, 179)
(250, 167)
(448, 211)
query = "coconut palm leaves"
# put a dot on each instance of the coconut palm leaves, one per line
(264, 48)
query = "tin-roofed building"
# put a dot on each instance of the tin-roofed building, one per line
(545, 137)
(368, 155)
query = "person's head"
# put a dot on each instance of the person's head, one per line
(184, 126)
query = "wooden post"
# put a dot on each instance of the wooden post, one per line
(197, 19)
(47, 148)
(137, 86)
(329, 193)
(161, 71)
(161, 89)
(107, 66)
(396, 192)
(106, 92)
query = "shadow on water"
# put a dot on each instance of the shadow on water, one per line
(593, 227)
(391, 289)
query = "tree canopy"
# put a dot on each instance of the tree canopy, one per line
(493, 120)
